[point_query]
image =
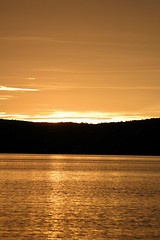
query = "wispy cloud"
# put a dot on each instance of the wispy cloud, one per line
(69, 85)
(77, 117)
(13, 116)
(55, 70)
(5, 97)
(133, 87)
(42, 39)
(31, 78)
(53, 39)
(4, 88)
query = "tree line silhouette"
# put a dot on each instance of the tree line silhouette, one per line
(132, 137)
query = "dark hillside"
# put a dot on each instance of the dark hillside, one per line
(134, 137)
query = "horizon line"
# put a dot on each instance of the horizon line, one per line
(74, 122)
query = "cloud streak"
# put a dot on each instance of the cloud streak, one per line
(77, 117)
(4, 88)
(5, 97)
(51, 39)
(68, 86)
(4, 115)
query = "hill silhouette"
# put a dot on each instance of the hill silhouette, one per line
(133, 137)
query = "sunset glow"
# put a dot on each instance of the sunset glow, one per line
(81, 61)
(93, 118)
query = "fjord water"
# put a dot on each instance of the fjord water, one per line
(79, 197)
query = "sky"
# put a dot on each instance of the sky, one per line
(79, 60)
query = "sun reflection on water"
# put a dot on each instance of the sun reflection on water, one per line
(79, 197)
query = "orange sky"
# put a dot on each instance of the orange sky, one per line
(79, 60)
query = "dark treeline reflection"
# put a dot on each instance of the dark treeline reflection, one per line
(135, 137)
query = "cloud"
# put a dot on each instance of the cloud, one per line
(77, 117)
(4, 88)
(4, 115)
(55, 70)
(52, 39)
(87, 117)
(69, 85)
(5, 97)
(31, 78)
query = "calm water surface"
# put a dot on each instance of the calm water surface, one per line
(79, 197)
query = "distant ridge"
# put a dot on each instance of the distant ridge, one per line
(139, 137)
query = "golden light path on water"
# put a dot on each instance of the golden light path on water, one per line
(52, 196)
(67, 209)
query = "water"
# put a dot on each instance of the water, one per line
(79, 197)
